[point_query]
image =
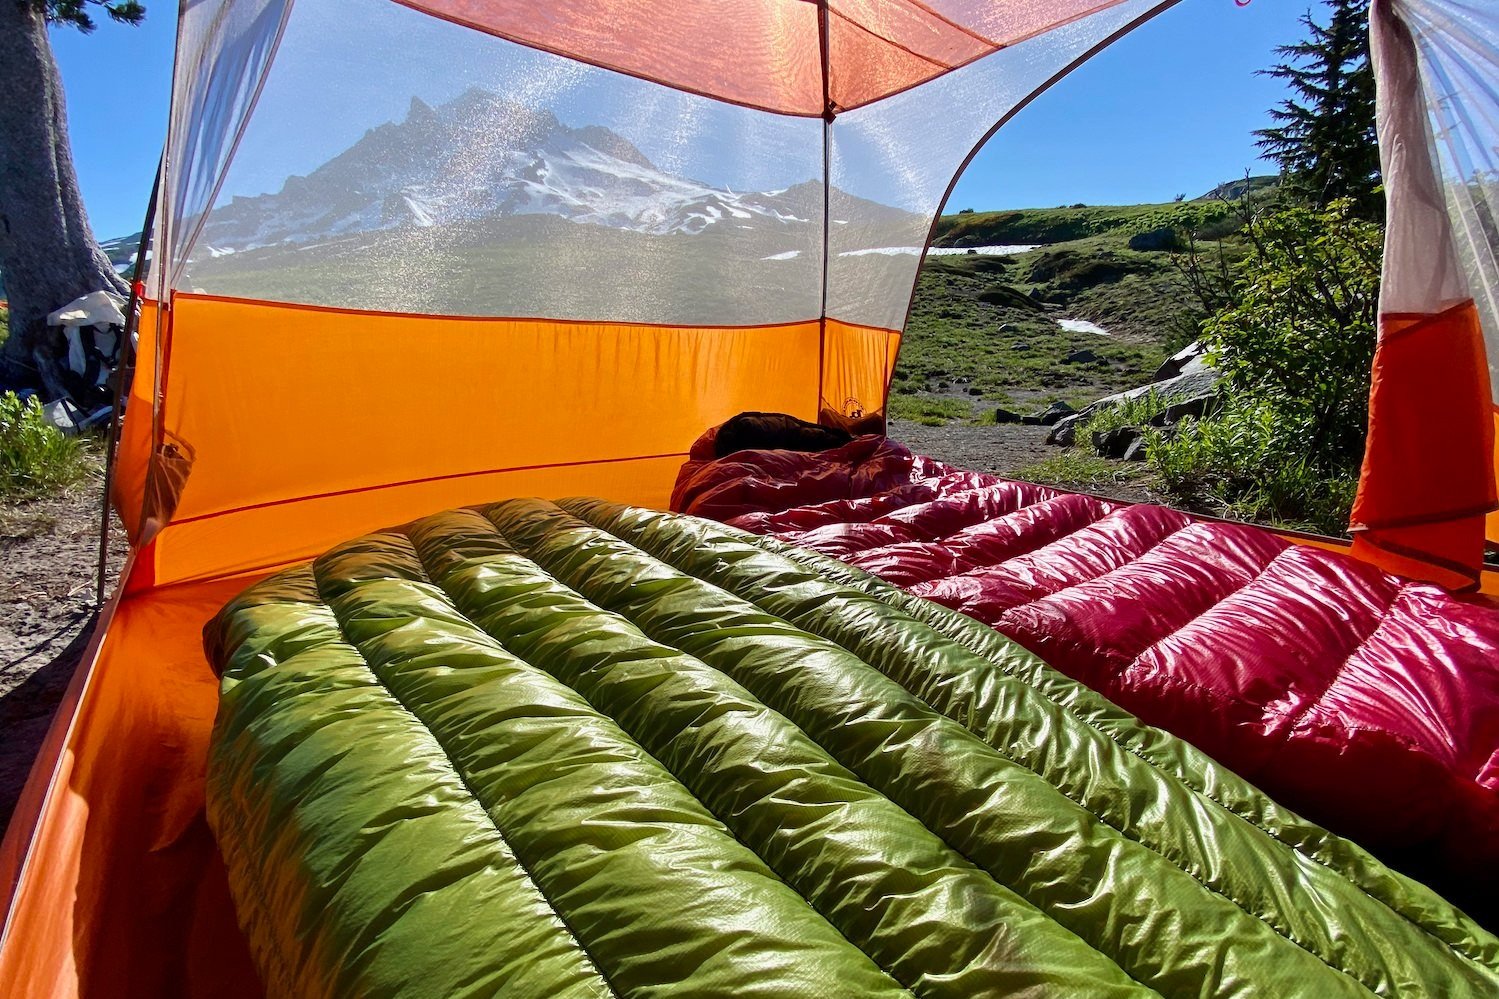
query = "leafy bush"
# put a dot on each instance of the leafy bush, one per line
(4, 324)
(1292, 327)
(35, 457)
(1299, 328)
(1254, 461)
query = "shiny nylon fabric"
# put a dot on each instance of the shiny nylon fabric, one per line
(768, 54)
(1426, 490)
(1457, 42)
(646, 754)
(1367, 702)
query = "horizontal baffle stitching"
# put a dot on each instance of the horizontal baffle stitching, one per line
(775, 546)
(1358, 646)
(453, 602)
(1262, 918)
(834, 757)
(478, 800)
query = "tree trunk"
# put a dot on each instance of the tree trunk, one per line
(48, 254)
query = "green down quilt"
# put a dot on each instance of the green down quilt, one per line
(567, 750)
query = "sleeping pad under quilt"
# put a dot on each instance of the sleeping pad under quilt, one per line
(587, 750)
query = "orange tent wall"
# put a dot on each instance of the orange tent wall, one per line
(114, 885)
(300, 426)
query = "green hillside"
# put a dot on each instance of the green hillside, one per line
(983, 330)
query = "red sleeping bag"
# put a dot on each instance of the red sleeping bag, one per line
(1367, 702)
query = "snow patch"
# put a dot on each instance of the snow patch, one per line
(1082, 326)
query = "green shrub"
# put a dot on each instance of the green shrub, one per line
(4, 324)
(1253, 461)
(1299, 329)
(1292, 327)
(1136, 412)
(35, 457)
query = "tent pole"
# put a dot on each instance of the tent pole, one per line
(126, 364)
(827, 193)
(931, 233)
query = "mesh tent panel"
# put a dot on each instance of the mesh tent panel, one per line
(223, 52)
(1458, 45)
(468, 175)
(893, 162)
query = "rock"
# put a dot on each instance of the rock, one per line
(1051, 415)
(975, 390)
(1197, 379)
(1081, 357)
(1196, 407)
(1156, 239)
(1001, 294)
(1064, 431)
(1002, 415)
(1173, 365)
(1020, 346)
(1118, 442)
(1136, 450)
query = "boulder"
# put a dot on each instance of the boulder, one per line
(1064, 431)
(1081, 357)
(1173, 365)
(1050, 415)
(1002, 415)
(1196, 407)
(1164, 238)
(1118, 442)
(1136, 450)
(1196, 380)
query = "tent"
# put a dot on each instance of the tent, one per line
(422, 254)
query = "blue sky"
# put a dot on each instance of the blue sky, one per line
(1167, 110)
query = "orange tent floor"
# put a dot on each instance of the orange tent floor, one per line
(115, 885)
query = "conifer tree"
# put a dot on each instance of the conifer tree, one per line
(1324, 136)
(48, 255)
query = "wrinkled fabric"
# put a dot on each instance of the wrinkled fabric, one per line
(719, 488)
(590, 750)
(1367, 702)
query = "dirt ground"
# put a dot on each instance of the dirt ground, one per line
(48, 558)
(1004, 450)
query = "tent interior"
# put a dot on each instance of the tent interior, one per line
(416, 255)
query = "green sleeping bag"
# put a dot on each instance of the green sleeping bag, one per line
(542, 750)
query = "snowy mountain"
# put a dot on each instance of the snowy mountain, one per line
(478, 157)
